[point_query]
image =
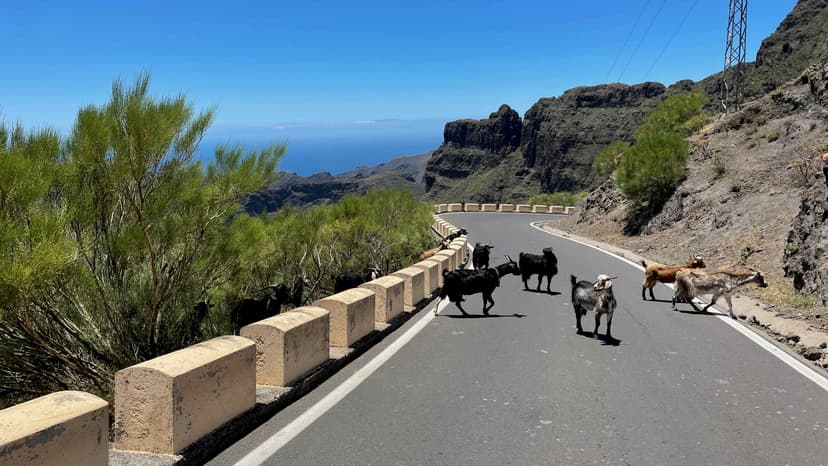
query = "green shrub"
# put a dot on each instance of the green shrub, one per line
(652, 169)
(673, 115)
(608, 158)
(560, 198)
(772, 136)
(719, 167)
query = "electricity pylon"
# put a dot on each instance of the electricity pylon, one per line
(734, 63)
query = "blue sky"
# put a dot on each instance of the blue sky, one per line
(271, 64)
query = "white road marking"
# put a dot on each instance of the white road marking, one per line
(265, 450)
(783, 356)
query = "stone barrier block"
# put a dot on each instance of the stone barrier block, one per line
(540, 209)
(488, 207)
(569, 210)
(556, 209)
(165, 404)
(442, 208)
(507, 207)
(455, 207)
(472, 207)
(414, 285)
(461, 249)
(390, 296)
(524, 208)
(289, 345)
(66, 427)
(444, 263)
(431, 271)
(451, 254)
(351, 315)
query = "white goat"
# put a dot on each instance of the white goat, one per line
(691, 283)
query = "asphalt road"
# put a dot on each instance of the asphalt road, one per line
(521, 387)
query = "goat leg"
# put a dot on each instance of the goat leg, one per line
(491, 303)
(549, 284)
(730, 307)
(609, 326)
(457, 303)
(652, 296)
(597, 323)
(712, 302)
(540, 279)
(578, 322)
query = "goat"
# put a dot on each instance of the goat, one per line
(655, 272)
(596, 296)
(455, 235)
(460, 282)
(545, 265)
(431, 252)
(348, 280)
(480, 255)
(250, 310)
(692, 283)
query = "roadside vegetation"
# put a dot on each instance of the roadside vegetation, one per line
(111, 237)
(649, 170)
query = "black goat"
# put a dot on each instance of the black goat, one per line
(348, 280)
(545, 265)
(460, 282)
(456, 235)
(480, 255)
(250, 310)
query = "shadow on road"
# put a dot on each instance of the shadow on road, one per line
(551, 293)
(602, 338)
(481, 316)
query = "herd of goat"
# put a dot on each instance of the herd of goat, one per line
(596, 296)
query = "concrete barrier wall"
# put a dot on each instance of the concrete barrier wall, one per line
(442, 208)
(289, 345)
(459, 249)
(165, 404)
(390, 295)
(431, 270)
(351, 315)
(451, 255)
(460, 243)
(61, 428)
(476, 207)
(414, 284)
(443, 263)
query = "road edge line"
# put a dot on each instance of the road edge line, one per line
(748, 332)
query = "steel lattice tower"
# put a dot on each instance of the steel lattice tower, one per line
(734, 59)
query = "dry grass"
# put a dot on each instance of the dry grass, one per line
(783, 294)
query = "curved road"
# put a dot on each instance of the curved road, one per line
(522, 387)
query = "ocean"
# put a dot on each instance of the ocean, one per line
(334, 148)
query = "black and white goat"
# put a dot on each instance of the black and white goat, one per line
(480, 255)
(461, 282)
(594, 296)
(348, 280)
(545, 265)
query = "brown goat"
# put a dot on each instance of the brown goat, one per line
(431, 252)
(655, 273)
(690, 284)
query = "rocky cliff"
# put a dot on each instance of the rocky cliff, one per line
(504, 158)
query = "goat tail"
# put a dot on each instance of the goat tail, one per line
(573, 280)
(643, 264)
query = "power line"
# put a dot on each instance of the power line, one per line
(643, 37)
(670, 40)
(627, 40)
